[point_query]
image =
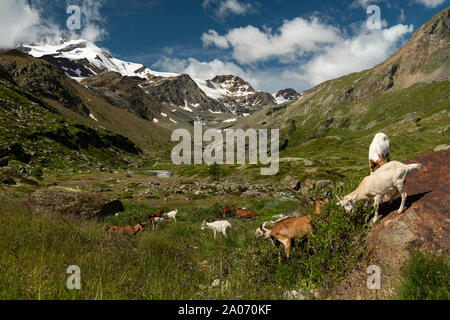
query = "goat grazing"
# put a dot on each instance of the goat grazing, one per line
(262, 230)
(155, 214)
(127, 230)
(225, 210)
(158, 221)
(172, 215)
(291, 228)
(379, 151)
(245, 213)
(218, 226)
(386, 180)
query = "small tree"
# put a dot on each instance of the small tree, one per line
(214, 172)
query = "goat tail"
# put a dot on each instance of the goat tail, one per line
(414, 166)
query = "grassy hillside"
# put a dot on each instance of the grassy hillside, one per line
(328, 131)
(34, 134)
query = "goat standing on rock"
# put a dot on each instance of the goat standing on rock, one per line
(389, 178)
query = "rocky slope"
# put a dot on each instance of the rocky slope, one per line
(124, 92)
(35, 134)
(237, 95)
(41, 81)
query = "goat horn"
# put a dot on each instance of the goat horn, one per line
(338, 198)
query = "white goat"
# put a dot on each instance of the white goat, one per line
(172, 215)
(218, 226)
(379, 151)
(373, 188)
(159, 221)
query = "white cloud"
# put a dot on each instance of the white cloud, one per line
(92, 20)
(431, 3)
(361, 52)
(311, 50)
(293, 39)
(197, 69)
(212, 38)
(19, 22)
(364, 3)
(23, 21)
(224, 8)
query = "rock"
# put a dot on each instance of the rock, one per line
(294, 295)
(296, 186)
(425, 223)
(323, 184)
(309, 184)
(215, 283)
(110, 209)
(66, 201)
(8, 180)
(442, 147)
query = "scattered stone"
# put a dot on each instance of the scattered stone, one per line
(442, 147)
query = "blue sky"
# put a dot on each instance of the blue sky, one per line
(273, 44)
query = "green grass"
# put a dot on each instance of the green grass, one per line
(426, 276)
(176, 262)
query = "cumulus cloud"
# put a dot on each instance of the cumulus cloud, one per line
(293, 39)
(197, 69)
(431, 3)
(23, 21)
(364, 3)
(310, 50)
(224, 8)
(361, 52)
(19, 22)
(92, 21)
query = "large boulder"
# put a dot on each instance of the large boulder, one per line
(425, 225)
(66, 201)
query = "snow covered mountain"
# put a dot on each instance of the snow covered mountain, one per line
(82, 59)
(286, 95)
(224, 94)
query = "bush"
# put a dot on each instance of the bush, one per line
(214, 172)
(426, 276)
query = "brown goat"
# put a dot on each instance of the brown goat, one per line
(286, 230)
(320, 202)
(155, 214)
(245, 213)
(225, 210)
(127, 230)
